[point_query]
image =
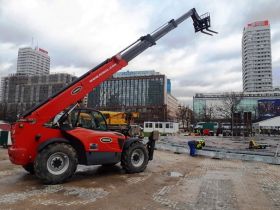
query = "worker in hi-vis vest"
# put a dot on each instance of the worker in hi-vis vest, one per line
(194, 145)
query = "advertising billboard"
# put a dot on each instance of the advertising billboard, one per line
(268, 108)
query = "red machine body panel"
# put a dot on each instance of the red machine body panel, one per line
(103, 141)
(26, 138)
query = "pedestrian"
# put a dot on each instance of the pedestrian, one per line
(194, 145)
(201, 131)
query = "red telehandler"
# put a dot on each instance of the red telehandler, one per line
(52, 138)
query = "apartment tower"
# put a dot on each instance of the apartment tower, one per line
(256, 57)
(33, 61)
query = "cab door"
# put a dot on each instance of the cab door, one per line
(89, 126)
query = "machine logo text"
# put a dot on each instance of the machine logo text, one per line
(106, 140)
(76, 90)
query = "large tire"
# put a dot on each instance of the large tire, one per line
(29, 168)
(135, 158)
(56, 163)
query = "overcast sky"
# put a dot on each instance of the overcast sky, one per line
(79, 34)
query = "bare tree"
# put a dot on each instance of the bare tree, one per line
(170, 117)
(229, 106)
(184, 116)
(208, 113)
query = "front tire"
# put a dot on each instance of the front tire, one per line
(135, 158)
(56, 163)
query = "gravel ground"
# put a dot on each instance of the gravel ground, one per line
(230, 143)
(171, 181)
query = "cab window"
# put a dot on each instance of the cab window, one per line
(91, 120)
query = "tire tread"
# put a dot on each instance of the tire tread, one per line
(40, 164)
(125, 160)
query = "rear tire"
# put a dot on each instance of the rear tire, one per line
(56, 163)
(29, 168)
(135, 158)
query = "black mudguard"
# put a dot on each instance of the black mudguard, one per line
(128, 142)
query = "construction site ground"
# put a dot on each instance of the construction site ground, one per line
(235, 143)
(171, 181)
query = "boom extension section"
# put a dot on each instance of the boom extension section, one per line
(199, 22)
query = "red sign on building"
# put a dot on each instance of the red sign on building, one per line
(43, 51)
(259, 23)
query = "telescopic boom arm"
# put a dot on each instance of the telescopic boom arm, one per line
(200, 23)
(75, 91)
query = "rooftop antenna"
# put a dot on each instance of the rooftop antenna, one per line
(36, 46)
(32, 40)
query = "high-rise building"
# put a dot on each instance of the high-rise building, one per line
(22, 92)
(33, 61)
(256, 57)
(140, 91)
